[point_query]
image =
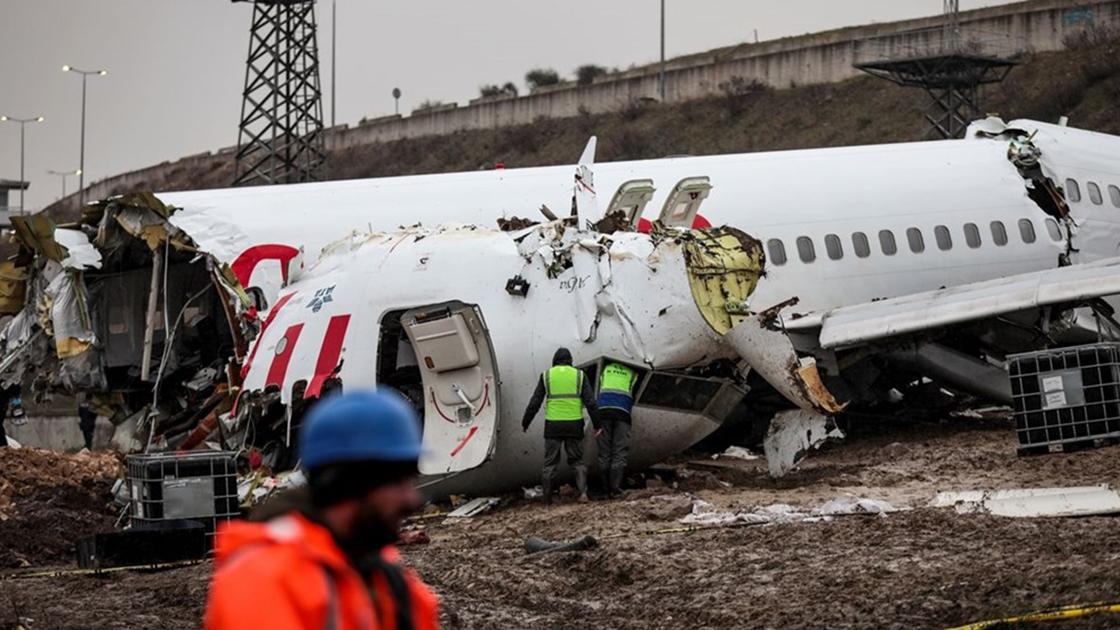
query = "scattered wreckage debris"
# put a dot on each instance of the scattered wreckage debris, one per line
(474, 507)
(705, 513)
(1034, 502)
(736, 452)
(792, 434)
(537, 545)
(515, 224)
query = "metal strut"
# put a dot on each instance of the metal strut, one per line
(280, 138)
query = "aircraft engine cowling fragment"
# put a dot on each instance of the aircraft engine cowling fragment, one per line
(770, 353)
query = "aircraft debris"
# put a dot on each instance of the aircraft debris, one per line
(474, 507)
(1034, 502)
(538, 545)
(515, 224)
(736, 452)
(705, 513)
(792, 434)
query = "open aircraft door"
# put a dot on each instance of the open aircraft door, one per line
(631, 199)
(684, 202)
(460, 381)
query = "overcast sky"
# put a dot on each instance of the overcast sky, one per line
(176, 67)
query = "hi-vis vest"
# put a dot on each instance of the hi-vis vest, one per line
(563, 385)
(616, 387)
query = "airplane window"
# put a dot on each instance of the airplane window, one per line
(1073, 192)
(999, 233)
(917, 243)
(886, 242)
(1026, 230)
(805, 249)
(944, 239)
(1095, 193)
(832, 246)
(777, 251)
(860, 244)
(1114, 195)
(972, 235)
(1053, 229)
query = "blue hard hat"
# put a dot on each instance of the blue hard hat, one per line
(360, 426)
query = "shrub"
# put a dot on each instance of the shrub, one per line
(496, 90)
(586, 74)
(429, 104)
(737, 93)
(541, 77)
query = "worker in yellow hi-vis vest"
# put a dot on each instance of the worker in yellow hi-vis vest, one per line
(616, 400)
(566, 394)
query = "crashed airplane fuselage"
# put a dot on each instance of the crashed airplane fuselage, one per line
(959, 236)
(463, 320)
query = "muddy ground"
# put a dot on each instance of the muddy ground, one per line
(921, 568)
(48, 500)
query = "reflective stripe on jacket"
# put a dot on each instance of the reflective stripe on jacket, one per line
(562, 386)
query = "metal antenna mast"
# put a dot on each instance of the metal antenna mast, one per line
(280, 138)
(950, 71)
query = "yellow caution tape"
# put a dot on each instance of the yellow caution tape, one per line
(1056, 614)
(64, 572)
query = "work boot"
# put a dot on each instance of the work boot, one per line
(583, 498)
(616, 476)
(581, 482)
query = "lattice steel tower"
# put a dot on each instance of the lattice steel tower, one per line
(280, 139)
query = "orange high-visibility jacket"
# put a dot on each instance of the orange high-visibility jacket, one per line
(288, 574)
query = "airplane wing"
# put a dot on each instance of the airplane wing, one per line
(861, 323)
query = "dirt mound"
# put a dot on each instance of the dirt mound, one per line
(49, 500)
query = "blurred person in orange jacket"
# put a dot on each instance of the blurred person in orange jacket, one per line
(323, 555)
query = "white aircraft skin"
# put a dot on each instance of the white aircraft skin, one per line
(782, 195)
(372, 275)
(772, 195)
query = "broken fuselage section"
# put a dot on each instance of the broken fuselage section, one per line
(463, 320)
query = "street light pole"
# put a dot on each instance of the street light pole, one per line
(334, 56)
(661, 81)
(22, 124)
(82, 151)
(64, 175)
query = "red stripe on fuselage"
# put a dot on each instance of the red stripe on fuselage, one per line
(279, 368)
(264, 327)
(328, 353)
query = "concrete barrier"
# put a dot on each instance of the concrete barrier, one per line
(60, 433)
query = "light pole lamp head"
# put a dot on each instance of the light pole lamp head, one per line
(39, 119)
(66, 68)
(102, 72)
(3, 119)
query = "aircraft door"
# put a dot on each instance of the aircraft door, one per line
(631, 199)
(460, 383)
(684, 202)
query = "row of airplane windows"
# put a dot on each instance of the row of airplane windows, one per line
(1073, 192)
(861, 246)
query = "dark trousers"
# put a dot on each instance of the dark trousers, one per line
(5, 396)
(574, 448)
(614, 447)
(87, 421)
